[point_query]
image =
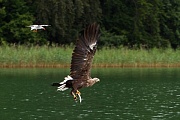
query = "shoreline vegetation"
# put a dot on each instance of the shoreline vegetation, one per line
(44, 56)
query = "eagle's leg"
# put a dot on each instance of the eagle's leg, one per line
(79, 94)
(74, 95)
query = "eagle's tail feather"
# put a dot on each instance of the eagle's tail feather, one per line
(64, 85)
(61, 87)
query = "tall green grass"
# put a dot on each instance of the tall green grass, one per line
(138, 58)
(34, 56)
(44, 56)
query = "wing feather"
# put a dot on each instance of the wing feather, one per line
(84, 52)
(44, 25)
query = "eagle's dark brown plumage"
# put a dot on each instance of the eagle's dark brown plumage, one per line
(81, 62)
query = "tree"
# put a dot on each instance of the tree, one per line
(170, 22)
(118, 19)
(153, 23)
(146, 23)
(132, 23)
(15, 17)
(67, 17)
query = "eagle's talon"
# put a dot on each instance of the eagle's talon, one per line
(75, 98)
(78, 93)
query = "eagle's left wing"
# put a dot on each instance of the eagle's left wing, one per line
(84, 52)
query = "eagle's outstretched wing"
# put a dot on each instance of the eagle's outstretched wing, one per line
(84, 52)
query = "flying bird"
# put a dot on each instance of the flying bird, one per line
(82, 57)
(36, 27)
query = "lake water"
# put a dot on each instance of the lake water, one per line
(122, 94)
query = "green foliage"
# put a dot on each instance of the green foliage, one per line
(131, 23)
(170, 21)
(152, 23)
(111, 40)
(67, 17)
(15, 17)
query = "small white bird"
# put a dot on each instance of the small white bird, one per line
(36, 27)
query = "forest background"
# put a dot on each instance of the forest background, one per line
(129, 23)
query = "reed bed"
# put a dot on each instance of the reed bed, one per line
(44, 56)
(34, 56)
(123, 57)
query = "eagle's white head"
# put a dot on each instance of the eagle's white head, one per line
(96, 80)
(92, 81)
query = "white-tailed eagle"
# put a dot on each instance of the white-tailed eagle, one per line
(82, 57)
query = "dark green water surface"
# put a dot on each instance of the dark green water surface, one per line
(122, 94)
